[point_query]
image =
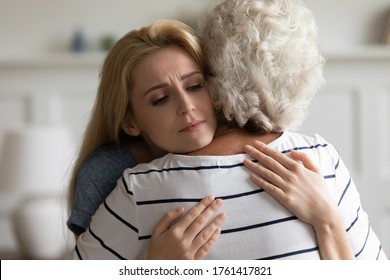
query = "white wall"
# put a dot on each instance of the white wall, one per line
(30, 26)
(346, 23)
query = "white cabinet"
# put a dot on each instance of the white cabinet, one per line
(49, 89)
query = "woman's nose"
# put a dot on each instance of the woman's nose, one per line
(186, 105)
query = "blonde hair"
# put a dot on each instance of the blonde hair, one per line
(265, 62)
(113, 95)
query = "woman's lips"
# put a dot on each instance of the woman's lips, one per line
(192, 126)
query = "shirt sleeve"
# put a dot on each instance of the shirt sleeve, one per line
(113, 232)
(365, 243)
(96, 179)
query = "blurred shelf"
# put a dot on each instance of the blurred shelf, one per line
(95, 59)
(53, 60)
(358, 53)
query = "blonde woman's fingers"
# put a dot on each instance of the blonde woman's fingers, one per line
(274, 156)
(266, 174)
(207, 232)
(275, 191)
(167, 220)
(208, 245)
(198, 225)
(188, 218)
(304, 158)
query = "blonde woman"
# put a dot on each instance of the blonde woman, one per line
(107, 149)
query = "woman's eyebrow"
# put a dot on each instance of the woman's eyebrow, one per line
(185, 76)
(162, 85)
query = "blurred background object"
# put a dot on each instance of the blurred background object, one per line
(106, 42)
(49, 76)
(386, 31)
(33, 168)
(79, 41)
(40, 230)
(34, 159)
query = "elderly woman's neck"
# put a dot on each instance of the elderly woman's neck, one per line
(230, 140)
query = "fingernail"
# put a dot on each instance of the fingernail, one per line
(259, 143)
(222, 216)
(219, 201)
(210, 198)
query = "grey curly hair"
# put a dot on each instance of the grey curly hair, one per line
(265, 62)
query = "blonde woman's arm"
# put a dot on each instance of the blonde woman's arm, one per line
(301, 189)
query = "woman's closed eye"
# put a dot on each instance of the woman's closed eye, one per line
(160, 100)
(195, 87)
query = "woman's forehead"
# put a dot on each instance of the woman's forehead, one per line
(168, 61)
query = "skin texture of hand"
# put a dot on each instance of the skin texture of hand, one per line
(187, 236)
(299, 186)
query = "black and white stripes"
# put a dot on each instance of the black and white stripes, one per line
(257, 227)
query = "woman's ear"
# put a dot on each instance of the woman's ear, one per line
(130, 127)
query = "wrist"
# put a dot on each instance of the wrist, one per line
(329, 220)
(332, 238)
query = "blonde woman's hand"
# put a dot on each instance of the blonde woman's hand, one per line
(188, 236)
(299, 186)
(296, 184)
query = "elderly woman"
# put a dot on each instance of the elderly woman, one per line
(266, 68)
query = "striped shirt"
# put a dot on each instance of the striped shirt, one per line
(257, 226)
